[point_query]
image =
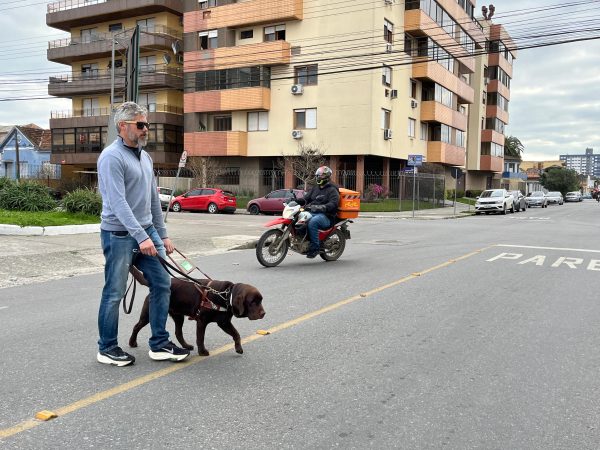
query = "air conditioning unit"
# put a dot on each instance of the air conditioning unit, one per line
(414, 103)
(180, 59)
(394, 93)
(297, 134)
(387, 134)
(389, 2)
(486, 80)
(297, 89)
(389, 48)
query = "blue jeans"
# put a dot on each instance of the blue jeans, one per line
(317, 222)
(119, 252)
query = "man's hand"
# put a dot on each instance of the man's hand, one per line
(169, 247)
(147, 248)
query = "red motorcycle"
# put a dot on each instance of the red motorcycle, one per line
(274, 244)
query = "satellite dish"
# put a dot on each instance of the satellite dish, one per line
(176, 46)
(166, 58)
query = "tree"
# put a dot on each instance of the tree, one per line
(205, 170)
(305, 162)
(513, 147)
(560, 179)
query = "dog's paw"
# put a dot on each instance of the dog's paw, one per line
(203, 352)
(239, 349)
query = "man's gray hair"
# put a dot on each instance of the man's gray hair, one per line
(127, 111)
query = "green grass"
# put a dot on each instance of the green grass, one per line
(45, 219)
(389, 205)
(466, 200)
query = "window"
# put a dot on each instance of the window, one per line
(208, 39)
(91, 107)
(205, 4)
(412, 124)
(89, 35)
(306, 75)
(386, 75)
(388, 31)
(147, 64)
(258, 121)
(305, 118)
(424, 131)
(275, 33)
(410, 45)
(148, 100)
(246, 34)
(385, 118)
(222, 123)
(413, 89)
(146, 24)
(89, 70)
(233, 78)
(114, 27)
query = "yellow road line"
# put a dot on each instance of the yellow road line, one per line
(98, 397)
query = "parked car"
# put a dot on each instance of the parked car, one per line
(587, 196)
(574, 196)
(212, 200)
(494, 200)
(272, 203)
(537, 198)
(519, 200)
(555, 197)
(165, 196)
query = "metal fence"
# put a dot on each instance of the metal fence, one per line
(44, 171)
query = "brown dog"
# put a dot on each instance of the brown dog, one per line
(187, 300)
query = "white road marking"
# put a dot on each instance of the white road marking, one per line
(3, 307)
(549, 248)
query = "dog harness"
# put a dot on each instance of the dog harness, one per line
(205, 301)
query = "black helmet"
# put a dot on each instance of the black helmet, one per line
(323, 175)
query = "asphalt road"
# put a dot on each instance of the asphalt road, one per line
(473, 333)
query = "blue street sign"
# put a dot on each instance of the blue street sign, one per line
(415, 160)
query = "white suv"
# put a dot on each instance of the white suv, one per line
(494, 200)
(165, 195)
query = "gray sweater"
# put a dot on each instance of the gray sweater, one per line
(130, 199)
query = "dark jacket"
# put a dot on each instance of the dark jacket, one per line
(324, 200)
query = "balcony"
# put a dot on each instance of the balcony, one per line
(492, 136)
(434, 72)
(497, 59)
(442, 153)
(216, 143)
(69, 50)
(99, 81)
(491, 163)
(263, 54)
(496, 86)
(98, 117)
(67, 14)
(417, 23)
(241, 99)
(432, 111)
(243, 14)
(495, 111)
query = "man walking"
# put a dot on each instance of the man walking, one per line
(132, 231)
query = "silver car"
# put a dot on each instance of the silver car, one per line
(537, 198)
(519, 200)
(574, 196)
(555, 197)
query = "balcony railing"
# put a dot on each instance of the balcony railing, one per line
(98, 74)
(514, 175)
(64, 5)
(93, 112)
(155, 30)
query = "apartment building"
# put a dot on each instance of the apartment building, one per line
(584, 164)
(366, 85)
(488, 115)
(94, 28)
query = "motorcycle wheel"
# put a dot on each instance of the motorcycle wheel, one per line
(265, 248)
(334, 246)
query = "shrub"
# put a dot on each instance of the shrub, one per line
(25, 196)
(376, 192)
(472, 193)
(450, 194)
(83, 201)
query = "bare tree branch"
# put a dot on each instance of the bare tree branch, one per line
(306, 161)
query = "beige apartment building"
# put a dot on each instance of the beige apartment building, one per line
(488, 115)
(80, 134)
(367, 85)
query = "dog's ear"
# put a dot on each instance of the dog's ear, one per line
(238, 297)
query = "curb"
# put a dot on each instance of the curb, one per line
(16, 230)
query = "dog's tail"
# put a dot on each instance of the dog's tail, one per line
(138, 275)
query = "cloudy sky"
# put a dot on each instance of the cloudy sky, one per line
(555, 94)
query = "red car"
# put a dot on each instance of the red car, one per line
(272, 203)
(212, 200)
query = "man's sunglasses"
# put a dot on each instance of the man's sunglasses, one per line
(139, 125)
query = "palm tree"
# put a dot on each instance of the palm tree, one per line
(513, 147)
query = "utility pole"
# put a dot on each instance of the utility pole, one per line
(18, 174)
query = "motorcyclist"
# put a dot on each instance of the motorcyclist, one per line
(322, 202)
